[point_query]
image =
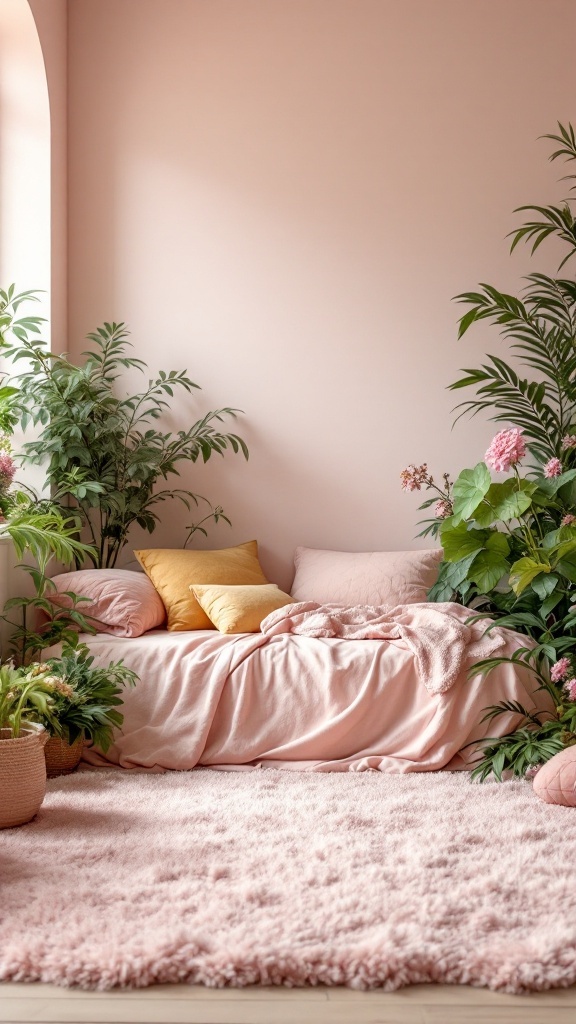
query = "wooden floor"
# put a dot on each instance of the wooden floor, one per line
(182, 1004)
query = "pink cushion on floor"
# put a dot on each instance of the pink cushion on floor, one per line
(556, 781)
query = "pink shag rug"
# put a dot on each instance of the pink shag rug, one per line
(271, 877)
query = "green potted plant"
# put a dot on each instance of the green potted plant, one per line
(104, 455)
(24, 693)
(85, 707)
(510, 544)
(66, 698)
(85, 698)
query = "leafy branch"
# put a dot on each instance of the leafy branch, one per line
(105, 455)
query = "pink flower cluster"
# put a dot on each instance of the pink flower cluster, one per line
(569, 441)
(414, 477)
(560, 670)
(570, 688)
(506, 449)
(7, 471)
(443, 508)
(558, 674)
(568, 520)
(552, 468)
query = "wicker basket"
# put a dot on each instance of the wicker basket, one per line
(22, 774)
(62, 757)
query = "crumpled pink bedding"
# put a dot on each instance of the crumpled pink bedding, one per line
(284, 699)
(436, 634)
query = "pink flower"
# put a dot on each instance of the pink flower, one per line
(560, 670)
(570, 688)
(532, 770)
(569, 441)
(413, 477)
(443, 508)
(7, 471)
(505, 450)
(568, 520)
(552, 468)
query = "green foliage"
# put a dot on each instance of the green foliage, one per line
(13, 328)
(44, 531)
(105, 455)
(40, 623)
(529, 746)
(68, 695)
(469, 490)
(92, 706)
(541, 330)
(510, 547)
(25, 695)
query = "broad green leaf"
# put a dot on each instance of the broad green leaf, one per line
(524, 571)
(498, 542)
(567, 567)
(505, 501)
(469, 490)
(549, 604)
(544, 585)
(458, 540)
(557, 537)
(565, 549)
(488, 569)
(451, 576)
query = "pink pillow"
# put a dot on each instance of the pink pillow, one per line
(556, 781)
(122, 602)
(364, 577)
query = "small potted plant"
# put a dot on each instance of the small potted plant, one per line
(84, 706)
(25, 693)
(66, 699)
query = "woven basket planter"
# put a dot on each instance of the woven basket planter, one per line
(62, 757)
(22, 774)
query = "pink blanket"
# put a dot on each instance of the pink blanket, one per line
(437, 636)
(281, 699)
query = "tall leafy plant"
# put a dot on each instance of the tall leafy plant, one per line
(105, 454)
(510, 545)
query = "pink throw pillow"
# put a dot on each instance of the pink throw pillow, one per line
(122, 602)
(556, 781)
(364, 577)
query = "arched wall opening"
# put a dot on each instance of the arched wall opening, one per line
(25, 199)
(25, 178)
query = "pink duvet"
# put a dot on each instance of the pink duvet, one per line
(322, 703)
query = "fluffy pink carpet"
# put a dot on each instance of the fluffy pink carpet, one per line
(281, 878)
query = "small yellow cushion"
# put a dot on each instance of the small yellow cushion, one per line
(173, 570)
(239, 609)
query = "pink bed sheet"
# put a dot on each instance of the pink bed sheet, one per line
(301, 703)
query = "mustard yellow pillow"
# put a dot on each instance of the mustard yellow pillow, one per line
(239, 609)
(173, 570)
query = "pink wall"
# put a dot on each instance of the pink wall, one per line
(283, 197)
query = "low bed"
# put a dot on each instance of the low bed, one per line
(376, 679)
(300, 702)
